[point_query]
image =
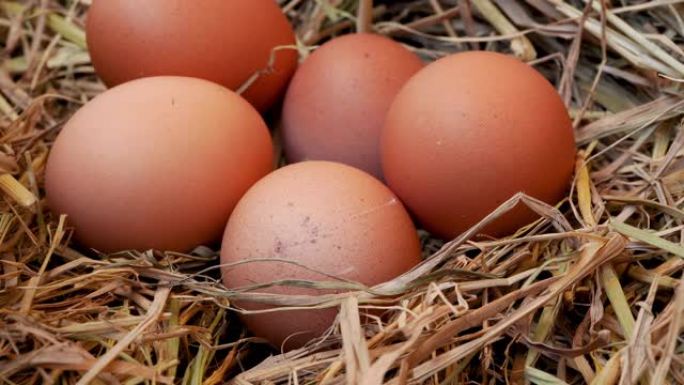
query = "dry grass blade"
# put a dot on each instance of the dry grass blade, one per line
(521, 46)
(672, 337)
(354, 344)
(364, 17)
(591, 292)
(539, 377)
(648, 238)
(637, 355)
(155, 310)
(627, 121)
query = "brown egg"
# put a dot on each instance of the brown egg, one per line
(226, 42)
(468, 132)
(324, 216)
(336, 103)
(156, 163)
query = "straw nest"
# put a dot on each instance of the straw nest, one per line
(591, 293)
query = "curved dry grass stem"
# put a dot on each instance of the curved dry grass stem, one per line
(592, 292)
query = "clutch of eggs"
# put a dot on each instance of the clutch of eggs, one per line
(171, 153)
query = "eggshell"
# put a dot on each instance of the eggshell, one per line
(336, 103)
(468, 132)
(226, 42)
(324, 216)
(156, 163)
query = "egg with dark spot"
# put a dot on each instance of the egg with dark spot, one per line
(311, 215)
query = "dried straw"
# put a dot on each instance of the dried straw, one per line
(590, 293)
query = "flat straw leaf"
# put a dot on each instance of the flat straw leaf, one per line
(68, 30)
(539, 377)
(648, 237)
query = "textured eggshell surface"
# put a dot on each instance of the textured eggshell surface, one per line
(468, 132)
(224, 41)
(156, 163)
(336, 103)
(325, 216)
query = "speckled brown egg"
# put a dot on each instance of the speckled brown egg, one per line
(336, 103)
(156, 163)
(324, 216)
(468, 132)
(227, 42)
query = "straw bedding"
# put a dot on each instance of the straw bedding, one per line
(590, 293)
